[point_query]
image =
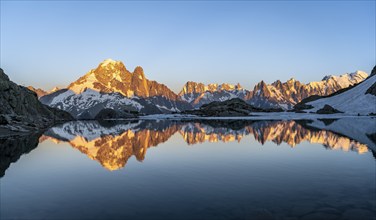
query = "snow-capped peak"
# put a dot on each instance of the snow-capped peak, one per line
(359, 73)
(327, 77)
(347, 76)
(108, 61)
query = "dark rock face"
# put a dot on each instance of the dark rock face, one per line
(229, 108)
(20, 106)
(373, 72)
(327, 109)
(372, 90)
(113, 114)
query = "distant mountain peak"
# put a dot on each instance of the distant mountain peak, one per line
(109, 62)
(139, 72)
(54, 89)
(326, 77)
(359, 73)
(349, 76)
(38, 91)
(110, 85)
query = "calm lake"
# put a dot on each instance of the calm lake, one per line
(161, 169)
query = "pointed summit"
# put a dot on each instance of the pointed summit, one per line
(112, 77)
(327, 77)
(108, 61)
(139, 72)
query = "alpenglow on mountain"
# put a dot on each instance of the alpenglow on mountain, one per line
(112, 86)
(276, 95)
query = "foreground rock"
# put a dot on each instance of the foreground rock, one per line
(12, 148)
(20, 109)
(229, 108)
(107, 113)
(327, 109)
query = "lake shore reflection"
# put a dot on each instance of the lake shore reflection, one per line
(112, 143)
(209, 169)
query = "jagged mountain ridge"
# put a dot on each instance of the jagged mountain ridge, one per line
(199, 94)
(276, 95)
(111, 85)
(40, 92)
(118, 88)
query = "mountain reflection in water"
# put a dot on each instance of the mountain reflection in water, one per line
(113, 143)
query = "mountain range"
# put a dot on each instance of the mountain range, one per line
(112, 86)
(276, 95)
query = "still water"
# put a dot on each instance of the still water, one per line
(160, 169)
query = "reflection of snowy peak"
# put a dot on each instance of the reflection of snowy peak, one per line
(89, 130)
(113, 143)
(111, 85)
(276, 95)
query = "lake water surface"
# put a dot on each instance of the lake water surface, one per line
(160, 169)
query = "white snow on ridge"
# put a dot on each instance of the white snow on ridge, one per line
(89, 98)
(61, 97)
(353, 101)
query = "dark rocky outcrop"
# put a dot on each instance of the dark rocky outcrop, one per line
(232, 107)
(21, 110)
(327, 109)
(109, 113)
(373, 72)
(372, 90)
(328, 121)
(12, 148)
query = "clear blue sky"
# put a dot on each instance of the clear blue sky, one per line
(45, 44)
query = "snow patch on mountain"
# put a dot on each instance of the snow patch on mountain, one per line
(353, 101)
